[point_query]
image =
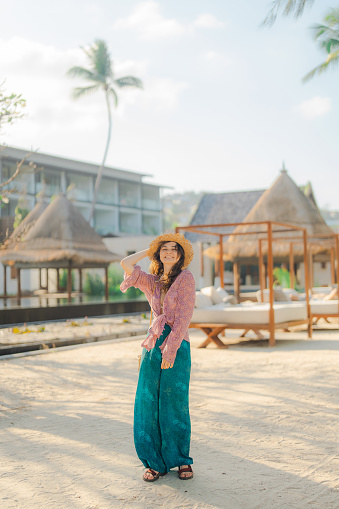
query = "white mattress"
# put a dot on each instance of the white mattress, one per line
(324, 306)
(247, 314)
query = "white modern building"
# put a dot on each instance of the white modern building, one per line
(128, 212)
(126, 205)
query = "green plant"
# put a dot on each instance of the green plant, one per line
(94, 284)
(63, 279)
(20, 214)
(281, 277)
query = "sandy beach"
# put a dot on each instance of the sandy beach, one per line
(264, 428)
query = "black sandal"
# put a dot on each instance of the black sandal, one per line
(154, 473)
(186, 469)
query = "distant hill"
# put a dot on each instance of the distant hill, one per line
(178, 208)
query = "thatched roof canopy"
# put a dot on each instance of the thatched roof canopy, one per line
(217, 208)
(56, 237)
(282, 202)
(27, 223)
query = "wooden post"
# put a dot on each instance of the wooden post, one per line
(271, 340)
(291, 266)
(47, 289)
(216, 268)
(333, 265)
(201, 259)
(310, 269)
(261, 271)
(5, 281)
(106, 283)
(221, 262)
(58, 279)
(307, 286)
(236, 276)
(265, 275)
(80, 280)
(18, 275)
(69, 281)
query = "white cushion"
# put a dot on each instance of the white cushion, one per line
(230, 299)
(211, 292)
(291, 293)
(202, 301)
(222, 293)
(324, 306)
(215, 294)
(278, 295)
(256, 314)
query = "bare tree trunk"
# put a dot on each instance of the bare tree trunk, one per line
(99, 175)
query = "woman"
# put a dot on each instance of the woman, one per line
(162, 427)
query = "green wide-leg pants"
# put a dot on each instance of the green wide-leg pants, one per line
(162, 426)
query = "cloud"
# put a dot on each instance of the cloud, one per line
(207, 21)
(315, 107)
(163, 93)
(147, 20)
(219, 59)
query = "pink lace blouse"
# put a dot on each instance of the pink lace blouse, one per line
(177, 310)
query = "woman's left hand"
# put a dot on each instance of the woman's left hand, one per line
(166, 364)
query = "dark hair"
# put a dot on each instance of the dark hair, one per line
(157, 266)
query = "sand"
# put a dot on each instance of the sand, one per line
(264, 428)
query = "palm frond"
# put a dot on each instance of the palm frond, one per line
(331, 61)
(128, 81)
(332, 17)
(80, 72)
(100, 59)
(331, 44)
(291, 6)
(81, 91)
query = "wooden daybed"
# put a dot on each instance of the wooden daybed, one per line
(268, 317)
(255, 317)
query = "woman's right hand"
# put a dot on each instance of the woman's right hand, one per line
(128, 263)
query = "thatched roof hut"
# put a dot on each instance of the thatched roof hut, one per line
(55, 236)
(282, 202)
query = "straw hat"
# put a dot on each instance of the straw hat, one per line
(172, 237)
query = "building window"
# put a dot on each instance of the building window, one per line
(48, 182)
(79, 187)
(129, 194)
(24, 183)
(150, 198)
(107, 192)
(128, 222)
(105, 222)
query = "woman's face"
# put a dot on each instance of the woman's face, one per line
(169, 253)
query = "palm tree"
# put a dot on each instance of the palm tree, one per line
(328, 38)
(289, 7)
(101, 76)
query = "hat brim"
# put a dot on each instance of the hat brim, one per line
(172, 237)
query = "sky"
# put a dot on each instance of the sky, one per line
(223, 105)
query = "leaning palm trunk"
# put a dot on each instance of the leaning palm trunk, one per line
(99, 174)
